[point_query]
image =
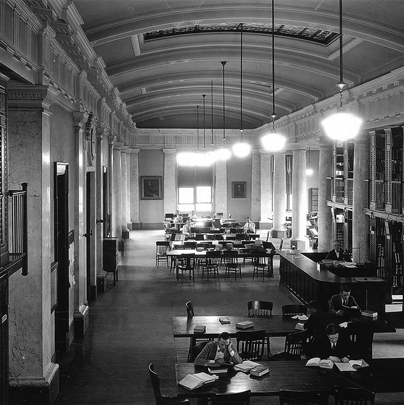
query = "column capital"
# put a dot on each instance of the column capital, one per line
(133, 151)
(111, 139)
(31, 97)
(170, 151)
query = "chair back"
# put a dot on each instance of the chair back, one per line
(162, 247)
(294, 344)
(294, 309)
(218, 237)
(214, 257)
(203, 245)
(268, 245)
(290, 397)
(155, 380)
(361, 335)
(189, 245)
(250, 345)
(239, 398)
(353, 396)
(190, 309)
(260, 308)
(199, 236)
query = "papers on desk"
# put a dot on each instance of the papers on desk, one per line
(301, 317)
(343, 325)
(352, 365)
(193, 381)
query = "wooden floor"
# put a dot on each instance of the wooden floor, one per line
(130, 326)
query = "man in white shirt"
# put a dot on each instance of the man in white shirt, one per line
(249, 226)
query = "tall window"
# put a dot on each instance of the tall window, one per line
(195, 189)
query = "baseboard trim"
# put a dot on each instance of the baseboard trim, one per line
(38, 391)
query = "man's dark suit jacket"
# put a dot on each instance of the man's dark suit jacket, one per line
(322, 347)
(342, 256)
(336, 303)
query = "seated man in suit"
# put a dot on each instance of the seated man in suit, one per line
(218, 352)
(333, 344)
(338, 254)
(342, 302)
(318, 320)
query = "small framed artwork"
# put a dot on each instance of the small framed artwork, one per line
(151, 187)
(238, 189)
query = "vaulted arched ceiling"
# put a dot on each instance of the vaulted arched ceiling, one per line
(163, 55)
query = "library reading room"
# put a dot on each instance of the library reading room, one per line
(202, 202)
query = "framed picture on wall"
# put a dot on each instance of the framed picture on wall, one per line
(151, 187)
(238, 189)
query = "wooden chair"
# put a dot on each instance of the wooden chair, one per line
(188, 245)
(294, 344)
(251, 345)
(294, 309)
(162, 399)
(353, 396)
(261, 309)
(161, 252)
(211, 265)
(361, 335)
(260, 264)
(186, 263)
(231, 263)
(290, 397)
(239, 398)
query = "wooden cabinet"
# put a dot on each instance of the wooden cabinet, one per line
(386, 204)
(110, 253)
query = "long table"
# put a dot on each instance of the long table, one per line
(382, 375)
(275, 325)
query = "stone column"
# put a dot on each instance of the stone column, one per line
(31, 323)
(134, 188)
(266, 190)
(170, 190)
(100, 214)
(299, 202)
(325, 238)
(124, 186)
(117, 191)
(255, 186)
(279, 202)
(360, 221)
(221, 187)
(111, 186)
(81, 314)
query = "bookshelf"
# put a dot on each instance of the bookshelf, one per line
(386, 205)
(313, 199)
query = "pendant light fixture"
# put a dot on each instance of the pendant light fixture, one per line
(241, 149)
(272, 141)
(223, 153)
(309, 170)
(342, 125)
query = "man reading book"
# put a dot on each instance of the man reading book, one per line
(340, 303)
(218, 352)
(333, 344)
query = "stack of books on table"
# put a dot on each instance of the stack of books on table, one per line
(369, 314)
(193, 381)
(252, 367)
(224, 320)
(199, 329)
(244, 325)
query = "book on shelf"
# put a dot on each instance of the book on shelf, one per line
(244, 325)
(352, 365)
(193, 381)
(224, 320)
(199, 329)
(259, 370)
(322, 363)
(246, 366)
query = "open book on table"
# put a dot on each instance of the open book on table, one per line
(193, 381)
(301, 317)
(246, 366)
(317, 362)
(352, 365)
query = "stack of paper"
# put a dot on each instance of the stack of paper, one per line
(193, 381)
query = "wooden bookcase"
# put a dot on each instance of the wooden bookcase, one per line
(386, 205)
(342, 192)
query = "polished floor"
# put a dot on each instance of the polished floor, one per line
(130, 326)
